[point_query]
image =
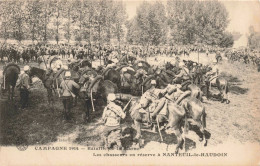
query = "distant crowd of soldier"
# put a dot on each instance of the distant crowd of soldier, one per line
(25, 53)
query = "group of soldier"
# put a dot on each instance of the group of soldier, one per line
(113, 112)
(16, 52)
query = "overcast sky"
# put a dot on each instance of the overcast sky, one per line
(242, 14)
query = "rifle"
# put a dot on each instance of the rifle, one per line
(127, 104)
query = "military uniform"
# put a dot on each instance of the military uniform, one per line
(111, 116)
(67, 86)
(155, 96)
(24, 88)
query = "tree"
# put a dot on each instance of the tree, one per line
(197, 21)
(5, 17)
(33, 18)
(67, 10)
(17, 19)
(57, 11)
(253, 38)
(227, 40)
(47, 11)
(149, 26)
(118, 18)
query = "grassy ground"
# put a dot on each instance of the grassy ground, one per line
(237, 121)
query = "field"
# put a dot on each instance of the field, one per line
(234, 123)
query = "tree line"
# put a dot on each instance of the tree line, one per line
(79, 20)
(181, 22)
(177, 22)
(253, 39)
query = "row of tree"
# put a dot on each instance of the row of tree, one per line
(253, 39)
(181, 22)
(178, 22)
(80, 20)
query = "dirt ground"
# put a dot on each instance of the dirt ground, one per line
(40, 124)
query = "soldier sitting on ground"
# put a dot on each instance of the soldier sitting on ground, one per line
(112, 116)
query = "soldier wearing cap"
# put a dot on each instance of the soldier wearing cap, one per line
(24, 86)
(140, 72)
(183, 75)
(66, 92)
(155, 95)
(112, 115)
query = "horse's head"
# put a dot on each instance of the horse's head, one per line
(34, 71)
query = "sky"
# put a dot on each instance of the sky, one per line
(242, 14)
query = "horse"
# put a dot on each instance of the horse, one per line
(221, 84)
(50, 80)
(10, 77)
(186, 111)
(98, 88)
(194, 89)
(80, 64)
(113, 75)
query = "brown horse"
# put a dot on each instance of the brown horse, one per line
(10, 77)
(185, 111)
(221, 84)
(95, 89)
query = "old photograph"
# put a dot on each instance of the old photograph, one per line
(129, 82)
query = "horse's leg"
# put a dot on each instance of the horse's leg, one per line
(138, 129)
(180, 140)
(12, 93)
(9, 92)
(87, 104)
(137, 139)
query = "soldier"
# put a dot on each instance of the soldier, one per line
(111, 117)
(183, 75)
(172, 92)
(156, 96)
(24, 86)
(66, 92)
(140, 72)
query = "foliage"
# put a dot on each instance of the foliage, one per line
(149, 25)
(227, 40)
(194, 22)
(253, 39)
(81, 20)
(180, 22)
